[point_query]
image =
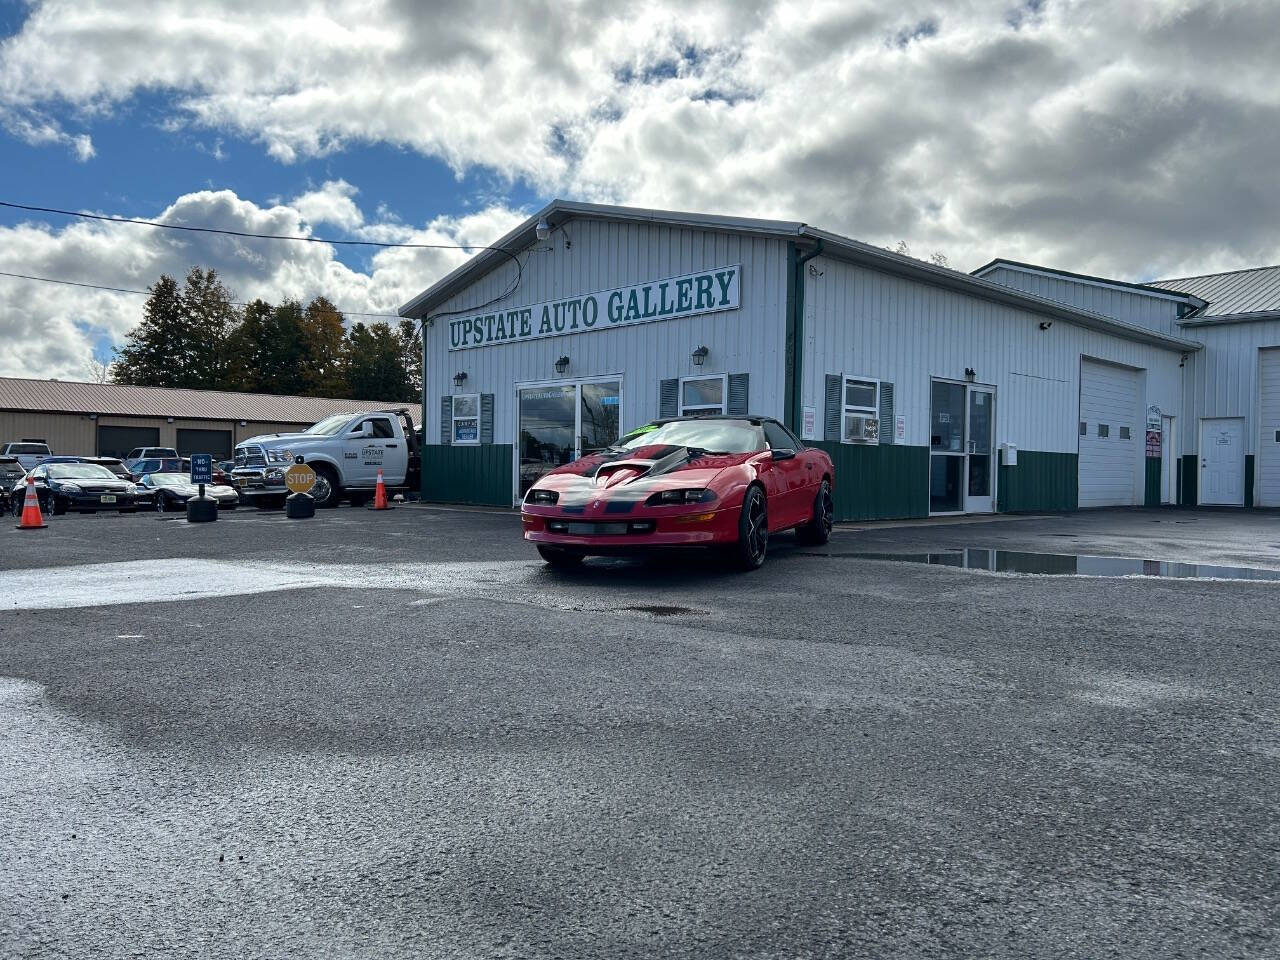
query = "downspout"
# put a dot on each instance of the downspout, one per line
(794, 377)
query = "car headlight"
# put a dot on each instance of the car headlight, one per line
(68, 487)
(130, 488)
(668, 497)
(279, 456)
(544, 497)
(274, 473)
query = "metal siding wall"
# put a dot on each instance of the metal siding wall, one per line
(862, 321)
(1222, 379)
(68, 434)
(609, 254)
(1155, 313)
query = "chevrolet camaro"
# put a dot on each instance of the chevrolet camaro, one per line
(725, 482)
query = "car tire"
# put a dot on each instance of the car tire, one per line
(331, 488)
(750, 551)
(818, 530)
(59, 506)
(162, 504)
(560, 558)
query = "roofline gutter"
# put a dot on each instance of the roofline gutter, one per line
(1256, 316)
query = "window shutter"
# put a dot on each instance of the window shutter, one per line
(887, 431)
(486, 418)
(446, 420)
(835, 407)
(737, 404)
(669, 398)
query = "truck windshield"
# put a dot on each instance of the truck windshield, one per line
(329, 426)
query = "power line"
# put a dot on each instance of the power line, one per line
(245, 233)
(147, 293)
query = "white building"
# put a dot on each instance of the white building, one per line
(935, 391)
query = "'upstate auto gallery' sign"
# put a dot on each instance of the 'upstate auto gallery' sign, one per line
(706, 292)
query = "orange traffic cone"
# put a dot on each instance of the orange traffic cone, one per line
(32, 519)
(380, 494)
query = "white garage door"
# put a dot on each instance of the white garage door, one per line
(1110, 437)
(1269, 432)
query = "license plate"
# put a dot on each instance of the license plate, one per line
(107, 498)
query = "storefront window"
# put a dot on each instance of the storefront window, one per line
(702, 395)
(466, 418)
(861, 405)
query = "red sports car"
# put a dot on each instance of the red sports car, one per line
(719, 481)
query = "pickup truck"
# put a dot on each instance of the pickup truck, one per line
(345, 450)
(28, 452)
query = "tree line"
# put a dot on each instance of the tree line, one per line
(197, 336)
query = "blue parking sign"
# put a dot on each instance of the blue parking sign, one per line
(202, 468)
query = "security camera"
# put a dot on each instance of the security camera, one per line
(1045, 325)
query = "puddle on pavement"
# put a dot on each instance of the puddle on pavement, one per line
(1070, 564)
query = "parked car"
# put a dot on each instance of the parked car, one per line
(722, 481)
(84, 487)
(148, 453)
(140, 468)
(10, 473)
(28, 452)
(171, 491)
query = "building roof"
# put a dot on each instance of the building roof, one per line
(1237, 295)
(1168, 292)
(113, 399)
(833, 245)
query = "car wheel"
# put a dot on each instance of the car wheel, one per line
(753, 531)
(560, 557)
(59, 506)
(327, 491)
(818, 530)
(162, 505)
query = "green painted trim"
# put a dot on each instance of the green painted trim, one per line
(792, 342)
(879, 481)
(1189, 494)
(478, 475)
(1152, 498)
(1248, 479)
(1041, 481)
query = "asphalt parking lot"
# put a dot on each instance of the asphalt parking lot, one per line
(400, 735)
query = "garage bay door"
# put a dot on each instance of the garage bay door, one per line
(118, 441)
(1269, 432)
(1110, 428)
(216, 442)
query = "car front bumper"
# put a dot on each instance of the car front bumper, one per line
(94, 501)
(614, 533)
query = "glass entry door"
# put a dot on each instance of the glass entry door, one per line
(562, 421)
(962, 462)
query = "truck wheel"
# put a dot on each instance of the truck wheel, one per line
(327, 490)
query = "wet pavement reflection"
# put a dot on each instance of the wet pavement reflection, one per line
(1071, 564)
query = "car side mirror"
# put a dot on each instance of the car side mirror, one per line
(366, 430)
(783, 453)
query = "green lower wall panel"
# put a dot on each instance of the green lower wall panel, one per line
(1248, 480)
(478, 475)
(1190, 480)
(1152, 498)
(1040, 481)
(879, 482)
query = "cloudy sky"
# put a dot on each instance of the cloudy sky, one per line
(1136, 140)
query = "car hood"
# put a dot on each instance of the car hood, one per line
(191, 490)
(633, 476)
(281, 439)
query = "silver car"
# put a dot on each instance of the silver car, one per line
(172, 491)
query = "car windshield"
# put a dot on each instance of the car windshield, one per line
(330, 426)
(714, 436)
(79, 471)
(170, 480)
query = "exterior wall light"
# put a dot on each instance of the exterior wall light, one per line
(170, 420)
(970, 374)
(460, 378)
(93, 416)
(700, 356)
(244, 423)
(562, 365)
(543, 229)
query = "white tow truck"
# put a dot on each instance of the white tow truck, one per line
(346, 451)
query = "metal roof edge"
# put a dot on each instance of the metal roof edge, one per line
(989, 290)
(562, 211)
(1226, 319)
(1159, 292)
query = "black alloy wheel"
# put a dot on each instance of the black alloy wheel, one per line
(818, 530)
(162, 504)
(753, 531)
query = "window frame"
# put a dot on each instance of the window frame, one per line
(454, 418)
(702, 409)
(858, 411)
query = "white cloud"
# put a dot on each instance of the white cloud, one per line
(50, 330)
(1133, 140)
